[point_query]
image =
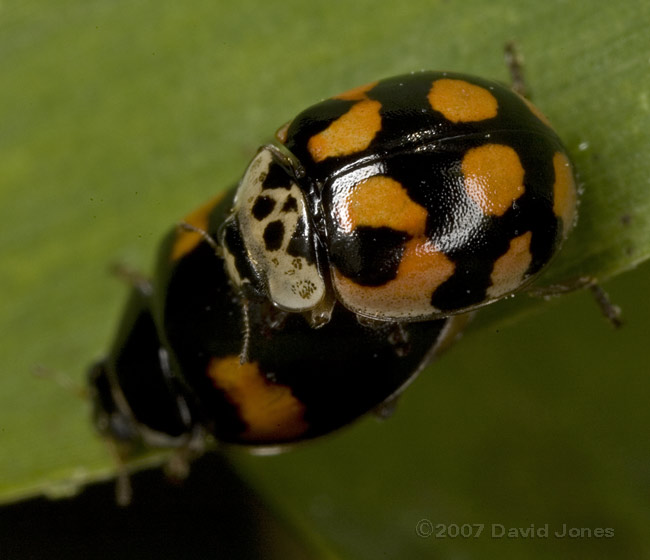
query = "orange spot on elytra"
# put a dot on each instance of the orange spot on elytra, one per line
(380, 201)
(349, 134)
(421, 271)
(356, 94)
(564, 191)
(494, 177)
(187, 240)
(509, 270)
(460, 101)
(270, 411)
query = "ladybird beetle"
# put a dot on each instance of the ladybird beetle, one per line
(350, 253)
(408, 199)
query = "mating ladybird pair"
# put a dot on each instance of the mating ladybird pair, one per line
(347, 257)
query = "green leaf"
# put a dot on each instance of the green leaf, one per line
(119, 117)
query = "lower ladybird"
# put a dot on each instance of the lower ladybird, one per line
(351, 252)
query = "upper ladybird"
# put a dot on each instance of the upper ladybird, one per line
(408, 199)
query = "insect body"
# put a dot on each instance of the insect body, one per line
(343, 261)
(411, 198)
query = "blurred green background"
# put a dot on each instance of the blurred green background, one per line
(116, 118)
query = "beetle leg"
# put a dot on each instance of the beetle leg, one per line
(132, 277)
(515, 63)
(387, 408)
(610, 311)
(178, 467)
(399, 339)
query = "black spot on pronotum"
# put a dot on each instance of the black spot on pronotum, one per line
(262, 207)
(300, 244)
(276, 178)
(273, 235)
(290, 205)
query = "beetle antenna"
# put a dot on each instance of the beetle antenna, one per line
(204, 234)
(243, 355)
